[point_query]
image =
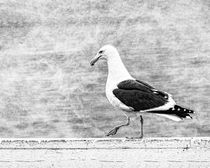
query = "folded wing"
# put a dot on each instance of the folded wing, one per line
(140, 95)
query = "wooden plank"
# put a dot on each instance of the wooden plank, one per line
(155, 152)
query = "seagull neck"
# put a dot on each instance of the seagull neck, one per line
(116, 70)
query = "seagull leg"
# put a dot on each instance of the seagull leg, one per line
(142, 129)
(114, 131)
(142, 133)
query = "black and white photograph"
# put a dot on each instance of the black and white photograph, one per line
(104, 84)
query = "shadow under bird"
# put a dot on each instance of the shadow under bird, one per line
(135, 97)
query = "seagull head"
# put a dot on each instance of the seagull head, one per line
(106, 52)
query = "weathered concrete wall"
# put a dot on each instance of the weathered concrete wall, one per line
(68, 153)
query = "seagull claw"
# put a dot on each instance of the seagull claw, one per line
(113, 131)
(139, 137)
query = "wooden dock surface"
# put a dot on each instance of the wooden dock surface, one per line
(82, 153)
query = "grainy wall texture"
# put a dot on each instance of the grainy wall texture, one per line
(106, 153)
(48, 89)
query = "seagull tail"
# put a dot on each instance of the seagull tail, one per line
(176, 113)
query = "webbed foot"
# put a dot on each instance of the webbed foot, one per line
(113, 131)
(139, 137)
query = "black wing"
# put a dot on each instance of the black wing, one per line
(140, 85)
(139, 95)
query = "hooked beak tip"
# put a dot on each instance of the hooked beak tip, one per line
(91, 63)
(94, 60)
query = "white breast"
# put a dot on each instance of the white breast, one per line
(116, 73)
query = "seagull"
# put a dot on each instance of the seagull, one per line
(135, 97)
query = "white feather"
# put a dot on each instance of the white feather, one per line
(172, 117)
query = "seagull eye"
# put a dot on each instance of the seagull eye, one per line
(100, 52)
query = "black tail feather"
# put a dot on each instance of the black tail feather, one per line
(176, 110)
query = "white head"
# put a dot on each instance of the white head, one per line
(106, 52)
(116, 69)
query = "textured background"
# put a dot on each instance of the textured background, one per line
(48, 89)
